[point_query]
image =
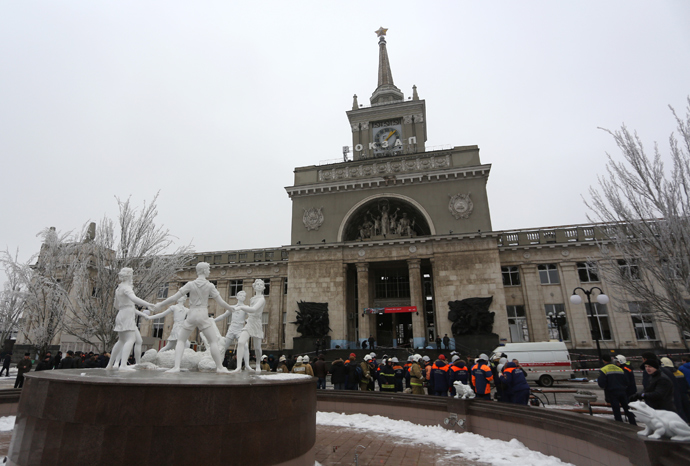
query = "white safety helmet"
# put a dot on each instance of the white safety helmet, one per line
(483, 357)
(300, 359)
(264, 357)
(395, 360)
(305, 359)
(621, 359)
(426, 358)
(367, 358)
(282, 359)
(416, 357)
(373, 355)
(454, 358)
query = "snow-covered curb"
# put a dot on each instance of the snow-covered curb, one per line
(7, 423)
(458, 445)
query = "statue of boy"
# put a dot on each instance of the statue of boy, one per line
(180, 314)
(237, 323)
(200, 290)
(253, 328)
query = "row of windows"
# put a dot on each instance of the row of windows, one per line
(267, 256)
(597, 315)
(234, 287)
(587, 272)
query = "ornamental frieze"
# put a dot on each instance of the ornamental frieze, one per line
(385, 167)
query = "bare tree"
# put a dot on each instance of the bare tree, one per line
(44, 281)
(134, 241)
(647, 209)
(11, 296)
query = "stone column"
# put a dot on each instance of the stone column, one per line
(363, 300)
(534, 303)
(417, 299)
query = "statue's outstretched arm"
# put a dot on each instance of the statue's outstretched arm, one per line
(130, 294)
(254, 309)
(222, 316)
(162, 314)
(223, 304)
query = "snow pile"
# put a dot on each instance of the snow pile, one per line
(7, 423)
(284, 376)
(458, 445)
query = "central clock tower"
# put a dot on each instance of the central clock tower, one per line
(391, 126)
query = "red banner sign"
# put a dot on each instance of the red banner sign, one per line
(390, 310)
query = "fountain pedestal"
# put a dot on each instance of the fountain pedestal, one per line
(152, 418)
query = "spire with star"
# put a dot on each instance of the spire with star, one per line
(386, 90)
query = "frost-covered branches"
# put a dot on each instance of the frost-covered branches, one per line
(648, 210)
(134, 241)
(41, 288)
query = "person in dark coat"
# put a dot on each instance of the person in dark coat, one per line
(351, 383)
(399, 374)
(46, 364)
(320, 372)
(680, 388)
(446, 341)
(516, 387)
(6, 361)
(615, 384)
(57, 360)
(645, 375)
(387, 376)
(438, 382)
(624, 364)
(338, 374)
(23, 367)
(68, 361)
(658, 394)
(458, 371)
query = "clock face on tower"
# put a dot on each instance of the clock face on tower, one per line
(388, 140)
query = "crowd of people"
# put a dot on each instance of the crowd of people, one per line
(71, 360)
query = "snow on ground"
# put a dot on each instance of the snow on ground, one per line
(7, 423)
(458, 445)
(277, 376)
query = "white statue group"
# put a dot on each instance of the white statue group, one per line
(245, 323)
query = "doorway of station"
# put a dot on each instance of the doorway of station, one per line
(394, 330)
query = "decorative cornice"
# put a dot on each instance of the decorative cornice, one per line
(383, 173)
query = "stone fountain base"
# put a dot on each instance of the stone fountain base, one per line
(152, 418)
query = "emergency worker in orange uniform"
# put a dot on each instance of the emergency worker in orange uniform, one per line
(482, 377)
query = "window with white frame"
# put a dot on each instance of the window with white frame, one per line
(511, 275)
(234, 287)
(163, 291)
(557, 320)
(629, 269)
(548, 274)
(643, 321)
(517, 324)
(588, 272)
(264, 326)
(158, 325)
(598, 317)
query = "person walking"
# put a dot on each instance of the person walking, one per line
(615, 383)
(6, 361)
(23, 367)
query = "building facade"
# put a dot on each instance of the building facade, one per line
(392, 234)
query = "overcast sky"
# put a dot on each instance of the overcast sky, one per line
(214, 103)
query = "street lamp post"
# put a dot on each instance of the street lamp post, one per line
(558, 320)
(601, 299)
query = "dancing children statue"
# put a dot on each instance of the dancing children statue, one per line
(237, 322)
(253, 328)
(180, 314)
(125, 324)
(200, 290)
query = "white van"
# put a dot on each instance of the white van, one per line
(542, 362)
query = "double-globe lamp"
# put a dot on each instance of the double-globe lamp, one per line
(601, 299)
